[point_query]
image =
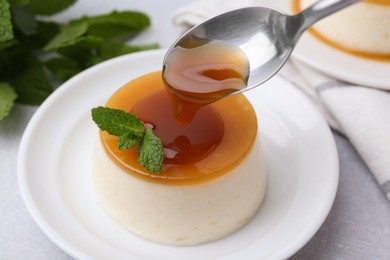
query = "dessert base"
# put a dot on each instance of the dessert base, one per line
(181, 215)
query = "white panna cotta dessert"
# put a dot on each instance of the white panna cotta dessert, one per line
(213, 178)
(362, 29)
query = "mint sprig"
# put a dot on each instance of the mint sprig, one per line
(6, 32)
(7, 95)
(37, 54)
(42, 7)
(151, 151)
(131, 132)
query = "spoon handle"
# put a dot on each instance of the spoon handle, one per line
(321, 9)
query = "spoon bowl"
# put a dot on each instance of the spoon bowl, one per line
(266, 36)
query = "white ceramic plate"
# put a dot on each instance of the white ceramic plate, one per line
(332, 61)
(54, 171)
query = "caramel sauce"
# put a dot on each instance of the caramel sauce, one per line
(182, 143)
(198, 72)
(297, 7)
(216, 140)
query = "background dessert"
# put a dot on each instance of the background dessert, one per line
(362, 29)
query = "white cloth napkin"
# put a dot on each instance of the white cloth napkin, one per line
(361, 113)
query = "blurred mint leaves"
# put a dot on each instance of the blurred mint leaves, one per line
(34, 50)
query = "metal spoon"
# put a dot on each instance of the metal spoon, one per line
(266, 36)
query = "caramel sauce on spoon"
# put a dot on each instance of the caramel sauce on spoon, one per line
(198, 72)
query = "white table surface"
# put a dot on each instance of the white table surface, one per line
(358, 226)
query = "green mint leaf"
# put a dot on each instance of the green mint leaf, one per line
(118, 122)
(29, 79)
(113, 50)
(7, 44)
(151, 152)
(81, 50)
(127, 141)
(6, 32)
(131, 131)
(12, 60)
(91, 40)
(130, 19)
(67, 35)
(63, 68)
(112, 32)
(44, 33)
(47, 30)
(18, 2)
(24, 19)
(7, 98)
(117, 26)
(45, 7)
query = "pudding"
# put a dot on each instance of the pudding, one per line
(362, 29)
(213, 178)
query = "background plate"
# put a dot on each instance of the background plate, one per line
(332, 61)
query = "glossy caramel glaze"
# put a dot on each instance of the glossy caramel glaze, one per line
(231, 122)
